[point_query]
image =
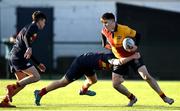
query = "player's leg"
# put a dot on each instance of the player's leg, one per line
(32, 76)
(117, 80)
(72, 74)
(19, 76)
(90, 80)
(52, 86)
(6, 101)
(57, 84)
(153, 83)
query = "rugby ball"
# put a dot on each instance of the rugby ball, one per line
(128, 43)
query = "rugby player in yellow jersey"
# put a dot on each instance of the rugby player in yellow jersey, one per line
(112, 37)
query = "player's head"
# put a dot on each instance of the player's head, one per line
(108, 16)
(108, 21)
(40, 18)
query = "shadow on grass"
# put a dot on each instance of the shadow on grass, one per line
(100, 106)
(165, 107)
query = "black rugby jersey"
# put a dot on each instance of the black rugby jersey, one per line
(96, 61)
(24, 39)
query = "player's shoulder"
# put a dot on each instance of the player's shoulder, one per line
(121, 26)
(33, 26)
(88, 53)
(124, 28)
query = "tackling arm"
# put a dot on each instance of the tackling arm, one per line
(121, 61)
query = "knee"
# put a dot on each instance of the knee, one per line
(147, 78)
(117, 83)
(145, 74)
(36, 77)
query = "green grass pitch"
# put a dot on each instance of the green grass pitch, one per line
(107, 98)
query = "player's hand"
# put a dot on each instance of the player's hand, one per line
(28, 53)
(132, 49)
(114, 61)
(136, 55)
(42, 67)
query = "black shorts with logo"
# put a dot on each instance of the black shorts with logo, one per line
(18, 64)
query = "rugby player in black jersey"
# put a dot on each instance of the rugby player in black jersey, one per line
(20, 56)
(85, 64)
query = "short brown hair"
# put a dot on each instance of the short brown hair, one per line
(108, 16)
(37, 15)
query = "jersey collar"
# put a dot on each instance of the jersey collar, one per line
(116, 28)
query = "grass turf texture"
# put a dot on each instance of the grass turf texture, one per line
(107, 98)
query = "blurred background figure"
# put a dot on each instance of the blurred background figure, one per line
(8, 46)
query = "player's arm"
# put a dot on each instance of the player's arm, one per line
(40, 66)
(121, 61)
(31, 31)
(27, 41)
(28, 52)
(104, 42)
(133, 49)
(137, 38)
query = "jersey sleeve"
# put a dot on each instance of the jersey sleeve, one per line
(130, 32)
(30, 33)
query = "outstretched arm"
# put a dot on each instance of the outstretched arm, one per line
(121, 61)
